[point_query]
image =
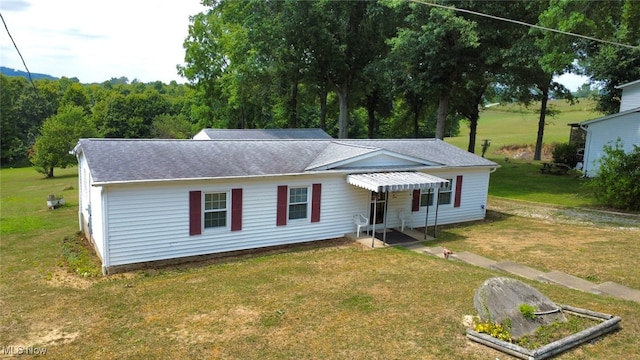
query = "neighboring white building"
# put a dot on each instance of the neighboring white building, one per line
(630, 96)
(148, 200)
(624, 125)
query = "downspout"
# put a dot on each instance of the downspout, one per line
(80, 203)
(435, 221)
(105, 232)
(587, 145)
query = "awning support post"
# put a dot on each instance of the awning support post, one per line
(375, 207)
(386, 206)
(426, 218)
(435, 221)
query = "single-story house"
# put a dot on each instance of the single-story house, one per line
(149, 200)
(624, 125)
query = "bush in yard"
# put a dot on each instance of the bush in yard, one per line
(565, 154)
(58, 135)
(617, 183)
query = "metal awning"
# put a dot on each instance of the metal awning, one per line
(396, 181)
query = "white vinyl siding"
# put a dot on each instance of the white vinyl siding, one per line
(600, 133)
(630, 97)
(148, 222)
(475, 184)
(151, 222)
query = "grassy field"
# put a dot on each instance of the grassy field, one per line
(516, 125)
(334, 300)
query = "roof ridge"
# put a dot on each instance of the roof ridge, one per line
(340, 142)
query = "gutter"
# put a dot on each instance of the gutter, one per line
(338, 171)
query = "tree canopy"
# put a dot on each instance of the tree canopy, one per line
(382, 68)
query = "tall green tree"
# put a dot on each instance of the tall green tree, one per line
(12, 136)
(607, 65)
(439, 45)
(58, 136)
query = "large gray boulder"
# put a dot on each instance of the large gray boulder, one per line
(500, 298)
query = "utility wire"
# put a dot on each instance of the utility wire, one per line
(21, 58)
(525, 24)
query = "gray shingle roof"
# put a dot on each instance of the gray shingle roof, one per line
(125, 160)
(265, 134)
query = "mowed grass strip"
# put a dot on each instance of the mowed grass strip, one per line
(522, 180)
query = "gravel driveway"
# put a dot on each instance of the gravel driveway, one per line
(563, 215)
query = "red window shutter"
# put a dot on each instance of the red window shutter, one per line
(415, 201)
(195, 212)
(236, 209)
(456, 201)
(281, 214)
(315, 202)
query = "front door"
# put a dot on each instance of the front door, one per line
(378, 201)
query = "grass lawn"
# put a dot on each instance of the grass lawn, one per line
(522, 180)
(308, 302)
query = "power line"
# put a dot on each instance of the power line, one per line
(21, 58)
(526, 24)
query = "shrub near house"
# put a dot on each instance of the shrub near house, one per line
(618, 181)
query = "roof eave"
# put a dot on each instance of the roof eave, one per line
(310, 172)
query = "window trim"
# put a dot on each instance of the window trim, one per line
(307, 203)
(227, 210)
(439, 192)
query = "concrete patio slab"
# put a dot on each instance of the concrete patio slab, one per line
(414, 234)
(473, 259)
(570, 281)
(616, 290)
(517, 269)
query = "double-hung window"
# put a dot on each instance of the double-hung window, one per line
(298, 202)
(215, 210)
(444, 195)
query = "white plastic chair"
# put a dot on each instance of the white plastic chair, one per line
(403, 217)
(360, 220)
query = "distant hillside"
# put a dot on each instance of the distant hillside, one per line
(35, 76)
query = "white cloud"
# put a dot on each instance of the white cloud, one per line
(95, 41)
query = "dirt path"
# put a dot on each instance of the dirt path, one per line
(563, 215)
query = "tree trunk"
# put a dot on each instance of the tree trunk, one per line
(443, 110)
(473, 126)
(293, 106)
(323, 108)
(371, 113)
(343, 118)
(50, 174)
(543, 114)
(416, 121)
(474, 116)
(372, 103)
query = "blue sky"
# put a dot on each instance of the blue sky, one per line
(98, 40)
